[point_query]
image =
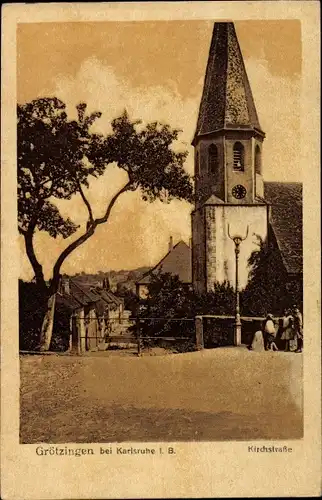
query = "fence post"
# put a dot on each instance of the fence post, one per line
(138, 336)
(199, 333)
(75, 336)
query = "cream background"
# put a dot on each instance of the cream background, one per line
(198, 469)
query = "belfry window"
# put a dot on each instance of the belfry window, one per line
(258, 160)
(212, 158)
(238, 153)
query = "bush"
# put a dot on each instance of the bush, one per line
(32, 307)
(175, 303)
(61, 330)
(218, 332)
(268, 289)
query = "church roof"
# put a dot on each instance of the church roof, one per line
(286, 221)
(176, 262)
(227, 100)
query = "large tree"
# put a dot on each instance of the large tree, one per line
(267, 290)
(58, 157)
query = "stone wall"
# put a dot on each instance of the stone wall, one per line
(198, 251)
(211, 242)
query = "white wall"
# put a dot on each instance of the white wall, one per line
(238, 218)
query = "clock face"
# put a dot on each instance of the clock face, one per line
(239, 191)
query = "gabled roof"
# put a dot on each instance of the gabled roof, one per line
(286, 221)
(176, 262)
(227, 100)
(79, 297)
(100, 304)
(214, 200)
(109, 297)
(82, 296)
(117, 300)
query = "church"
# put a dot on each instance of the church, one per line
(231, 197)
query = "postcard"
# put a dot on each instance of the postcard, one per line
(160, 270)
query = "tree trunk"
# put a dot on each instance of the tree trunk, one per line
(47, 325)
(37, 268)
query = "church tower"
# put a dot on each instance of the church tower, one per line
(228, 166)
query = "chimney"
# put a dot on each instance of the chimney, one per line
(106, 284)
(170, 244)
(65, 285)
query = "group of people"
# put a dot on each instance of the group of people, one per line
(289, 329)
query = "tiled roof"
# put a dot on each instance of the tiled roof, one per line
(110, 298)
(79, 297)
(82, 296)
(286, 221)
(175, 262)
(227, 100)
(117, 300)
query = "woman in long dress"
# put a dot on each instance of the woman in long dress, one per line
(288, 330)
(269, 333)
(298, 328)
(257, 343)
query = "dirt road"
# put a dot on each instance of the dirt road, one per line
(218, 394)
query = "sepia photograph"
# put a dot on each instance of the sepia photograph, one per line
(160, 214)
(160, 303)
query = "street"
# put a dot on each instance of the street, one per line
(216, 394)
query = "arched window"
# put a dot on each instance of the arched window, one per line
(212, 158)
(258, 160)
(238, 156)
(197, 164)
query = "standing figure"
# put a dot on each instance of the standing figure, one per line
(269, 333)
(288, 329)
(257, 343)
(298, 328)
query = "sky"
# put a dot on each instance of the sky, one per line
(156, 71)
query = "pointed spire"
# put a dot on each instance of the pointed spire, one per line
(227, 100)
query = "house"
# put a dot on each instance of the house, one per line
(285, 230)
(73, 301)
(116, 318)
(113, 318)
(177, 262)
(97, 311)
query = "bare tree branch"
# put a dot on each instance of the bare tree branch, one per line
(103, 219)
(84, 237)
(89, 208)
